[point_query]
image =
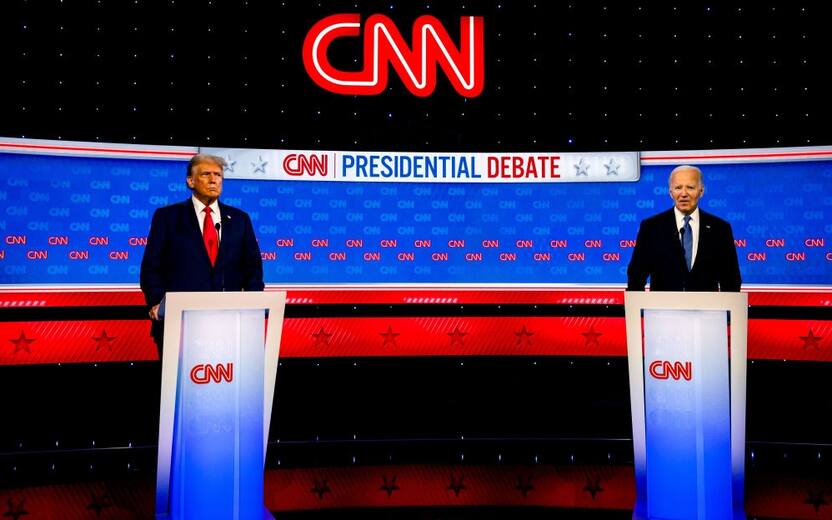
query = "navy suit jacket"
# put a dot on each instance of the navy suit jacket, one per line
(175, 258)
(659, 255)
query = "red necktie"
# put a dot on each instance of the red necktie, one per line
(209, 236)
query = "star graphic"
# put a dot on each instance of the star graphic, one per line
(524, 336)
(320, 488)
(261, 167)
(591, 337)
(99, 503)
(810, 340)
(816, 500)
(581, 168)
(15, 512)
(456, 485)
(229, 164)
(321, 337)
(456, 337)
(22, 343)
(593, 487)
(390, 486)
(524, 485)
(104, 341)
(612, 167)
(389, 336)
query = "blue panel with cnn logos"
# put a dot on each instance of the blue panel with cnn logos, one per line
(77, 220)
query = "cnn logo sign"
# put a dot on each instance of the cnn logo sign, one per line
(384, 46)
(296, 164)
(667, 370)
(202, 374)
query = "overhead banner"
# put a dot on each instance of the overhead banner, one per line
(408, 167)
(79, 213)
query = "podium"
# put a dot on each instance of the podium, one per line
(687, 365)
(219, 367)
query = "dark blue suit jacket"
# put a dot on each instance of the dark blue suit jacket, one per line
(175, 258)
(659, 255)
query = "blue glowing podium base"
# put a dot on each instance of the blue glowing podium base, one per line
(219, 367)
(687, 363)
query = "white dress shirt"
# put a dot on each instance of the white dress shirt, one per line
(694, 226)
(215, 215)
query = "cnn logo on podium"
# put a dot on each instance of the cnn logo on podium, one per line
(671, 370)
(202, 374)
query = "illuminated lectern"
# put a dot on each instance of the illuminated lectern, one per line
(219, 367)
(687, 359)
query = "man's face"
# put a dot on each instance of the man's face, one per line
(206, 181)
(686, 189)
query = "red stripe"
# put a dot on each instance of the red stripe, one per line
(453, 336)
(11, 300)
(432, 485)
(46, 342)
(95, 341)
(91, 149)
(74, 298)
(790, 339)
(738, 156)
(770, 494)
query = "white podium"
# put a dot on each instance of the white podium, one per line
(219, 367)
(687, 362)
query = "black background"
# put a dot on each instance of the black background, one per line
(560, 76)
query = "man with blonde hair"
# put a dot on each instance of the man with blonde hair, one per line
(199, 244)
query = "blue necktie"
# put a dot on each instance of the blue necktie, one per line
(687, 241)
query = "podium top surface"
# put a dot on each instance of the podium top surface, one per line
(223, 300)
(732, 301)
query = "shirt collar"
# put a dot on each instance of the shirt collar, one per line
(199, 206)
(680, 217)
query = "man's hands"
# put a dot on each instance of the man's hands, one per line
(154, 312)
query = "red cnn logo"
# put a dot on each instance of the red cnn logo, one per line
(297, 164)
(384, 44)
(675, 370)
(202, 374)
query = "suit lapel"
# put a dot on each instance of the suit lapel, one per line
(673, 233)
(226, 230)
(704, 247)
(192, 229)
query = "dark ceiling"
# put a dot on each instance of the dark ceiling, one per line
(559, 76)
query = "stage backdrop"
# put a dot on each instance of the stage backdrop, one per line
(79, 213)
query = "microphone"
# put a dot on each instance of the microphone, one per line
(217, 226)
(681, 234)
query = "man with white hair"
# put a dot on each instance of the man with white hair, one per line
(685, 248)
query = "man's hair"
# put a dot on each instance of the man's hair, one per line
(204, 158)
(685, 167)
